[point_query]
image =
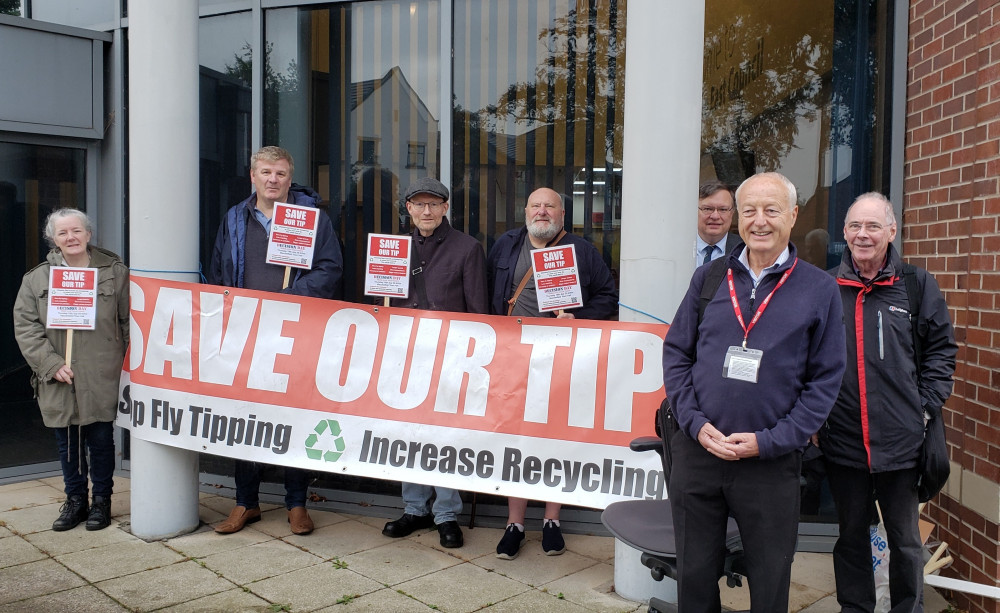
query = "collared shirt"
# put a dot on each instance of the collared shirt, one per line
(264, 220)
(718, 249)
(782, 258)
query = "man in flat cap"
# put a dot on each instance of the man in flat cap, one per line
(448, 273)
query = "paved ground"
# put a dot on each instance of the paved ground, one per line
(345, 565)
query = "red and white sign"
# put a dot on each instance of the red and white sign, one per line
(557, 278)
(72, 298)
(542, 409)
(387, 271)
(293, 235)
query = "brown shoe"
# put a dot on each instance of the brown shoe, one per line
(238, 517)
(299, 518)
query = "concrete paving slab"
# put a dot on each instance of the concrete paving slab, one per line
(375, 522)
(275, 521)
(386, 599)
(20, 485)
(77, 539)
(231, 601)
(35, 579)
(4, 531)
(825, 605)
(15, 550)
(204, 541)
(314, 587)
(340, 540)
(164, 586)
(538, 601)
(86, 599)
(801, 596)
(32, 519)
(224, 505)
(533, 567)
(39, 494)
(814, 570)
(118, 559)
(462, 588)
(600, 548)
(56, 482)
(592, 588)
(260, 561)
(478, 542)
(398, 562)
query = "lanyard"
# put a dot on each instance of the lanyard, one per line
(763, 305)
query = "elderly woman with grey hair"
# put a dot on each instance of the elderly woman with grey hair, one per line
(79, 399)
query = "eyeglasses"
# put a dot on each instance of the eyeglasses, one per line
(431, 205)
(721, 210)
(871, 227)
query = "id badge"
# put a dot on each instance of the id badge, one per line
(742, 364)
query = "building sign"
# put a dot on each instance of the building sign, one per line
(543, 409)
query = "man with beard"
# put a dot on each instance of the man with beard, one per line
(512, 292)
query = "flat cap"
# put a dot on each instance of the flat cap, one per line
(427, 185)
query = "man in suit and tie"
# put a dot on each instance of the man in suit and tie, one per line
(715, 218)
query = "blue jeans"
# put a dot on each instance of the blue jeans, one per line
(76, 443)
(417, 497)
(248, 485)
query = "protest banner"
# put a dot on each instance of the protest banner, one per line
(541, 408)
(387, 272)
(557, 278)
(292, 240)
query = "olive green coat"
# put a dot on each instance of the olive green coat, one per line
(97, 354)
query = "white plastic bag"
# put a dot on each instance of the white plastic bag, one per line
(880, 566)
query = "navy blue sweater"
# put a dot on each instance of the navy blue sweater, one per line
(801, 334)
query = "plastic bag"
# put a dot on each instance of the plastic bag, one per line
(880, 566)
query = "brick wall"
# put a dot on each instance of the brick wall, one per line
(950, 226)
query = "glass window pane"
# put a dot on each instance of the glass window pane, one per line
(36, 181)
(539, 91)
(792, 87)
(351, 90)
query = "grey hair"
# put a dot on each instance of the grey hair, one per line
(272, 154)
(890, 215)
(793, 198)
(50, 223)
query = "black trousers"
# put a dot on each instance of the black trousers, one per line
(763, 496)
(855, 492)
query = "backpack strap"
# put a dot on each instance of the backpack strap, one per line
(716, 272)
(527, 274)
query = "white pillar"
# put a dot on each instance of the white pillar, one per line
(163, 222)
(662, 143)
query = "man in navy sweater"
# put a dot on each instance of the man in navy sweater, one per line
(749, 381)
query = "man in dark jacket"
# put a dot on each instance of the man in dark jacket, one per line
(715, 217)
(239, 260)
(449, 274)
(873, 437)
(749, 386)
(512, 288)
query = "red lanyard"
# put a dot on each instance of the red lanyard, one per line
(763, 305)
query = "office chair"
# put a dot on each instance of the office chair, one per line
(647, 525)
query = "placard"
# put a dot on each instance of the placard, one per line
(387, 271)
(72, 298)
(293, 235)
(557, 278)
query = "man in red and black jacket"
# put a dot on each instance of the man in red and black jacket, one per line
(873, 437)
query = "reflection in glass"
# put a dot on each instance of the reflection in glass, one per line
(224, 52)
(353, 91)
(796, 88)
(36, 180)
(539, 92)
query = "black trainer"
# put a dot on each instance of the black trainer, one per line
(552, 539)
(406, 525)
(100, 513)
(73, 511)
(511, 543)
(451, 534)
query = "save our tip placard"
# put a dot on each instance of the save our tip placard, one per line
(72, 298)
(387, 266)
(557, 278)
(293, 235)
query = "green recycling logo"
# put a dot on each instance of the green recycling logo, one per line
(325, 442)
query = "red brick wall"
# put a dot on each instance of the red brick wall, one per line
(951, 209)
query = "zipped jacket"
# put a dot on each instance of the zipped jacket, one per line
(321, 281)
(877, 422)
(97, 354)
